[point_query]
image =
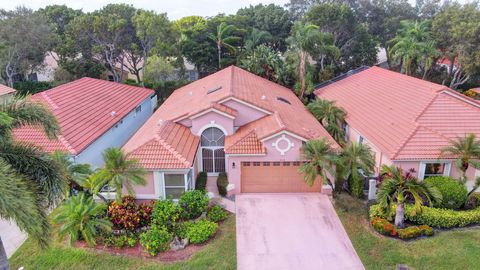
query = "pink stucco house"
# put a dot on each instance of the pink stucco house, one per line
(231, 121)
(405, 120)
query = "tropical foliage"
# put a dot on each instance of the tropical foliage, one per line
(330, 116)
(78, 219)
(398, 188)
(320, 159)
(466, 150)
(356, 158)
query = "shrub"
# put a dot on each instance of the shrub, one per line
(222, 183)
(383, 226)
(409, 232)
(145, 213)
(216, 213)
(120, 241)
(443, 218)
(426, 230)
(31, 87)
(454, 193)
(156, 239)
(181, 230)
(193, 203)
(473, 201)
(201, 181)
(125, 215)
(109, 241)
(165, 213)
(201, 231)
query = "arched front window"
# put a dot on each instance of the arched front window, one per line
(213, 154)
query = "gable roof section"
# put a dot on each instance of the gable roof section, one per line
(5, 90)
(241, 86)
(85, 110)
(174, 147)
(405, 117)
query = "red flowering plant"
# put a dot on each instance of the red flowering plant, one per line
(128, 215)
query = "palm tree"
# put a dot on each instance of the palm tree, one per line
(355, 157)
(74, 173)
(119, 172)
(330, 116)
(256, 38)
(224, 38)
(320, 159)
(467, 152)
(397, 188)
(78, 217)
(30, 180)
(412, 45)
(92, 185)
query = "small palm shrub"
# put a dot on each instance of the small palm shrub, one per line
(78, 218)
(216, 213)
(165, 214)
(157, 239)
(454, 193)
(200, 231)
(222, 183)
(201, 181)
(193, 203)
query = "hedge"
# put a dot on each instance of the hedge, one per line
(454, 193)
(435, 217)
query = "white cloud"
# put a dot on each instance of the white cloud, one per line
(174, 8)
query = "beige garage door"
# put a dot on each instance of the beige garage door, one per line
(274, 177)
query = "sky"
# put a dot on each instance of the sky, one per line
(174, 8)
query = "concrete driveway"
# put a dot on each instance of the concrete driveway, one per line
(11, 235)
(291, 231)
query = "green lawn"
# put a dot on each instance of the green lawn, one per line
(450, 250)
(219, 254)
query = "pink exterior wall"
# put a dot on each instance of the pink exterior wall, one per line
(246, 114)
(148, 189)
(234, 174)
(218, 119)
(380, 158)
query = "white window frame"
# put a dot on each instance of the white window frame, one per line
(213, 148)
(423, 164)
(361, 139)
(159, 182)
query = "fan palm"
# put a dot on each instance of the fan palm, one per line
(78, 217)
(355, 157)
(119, 172)
(397, 188)
(256, 38)
(320, 159)
(467, 152)
(30, 180)
(330, 116)
(224, 38)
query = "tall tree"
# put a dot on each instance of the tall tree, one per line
(456, 30)
(120, 172)
(305, 40)
(25, 38)
(256, 38)
(151, 30)
(320, 159)
(224, 37)
(30, 181)
(397, 188)
(467, 152)
(265, 62)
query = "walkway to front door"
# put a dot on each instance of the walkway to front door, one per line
(291, 231)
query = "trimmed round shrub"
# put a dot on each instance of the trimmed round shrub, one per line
(165, 213)
(193, 203)
(454, 193)
(182, 228)
(200, 231)
(201, 181)
(222, 183)
(156, 240)
(216, 213)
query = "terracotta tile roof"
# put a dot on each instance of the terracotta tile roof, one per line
(243, 143)
(4, 90)
(233, 82)
(85, 109)
(174, 147)
(215, 106)
(407, 118)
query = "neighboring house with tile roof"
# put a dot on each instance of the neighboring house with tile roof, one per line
(93, 115)
(405, 120)
(6, 93)
(231, 121)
